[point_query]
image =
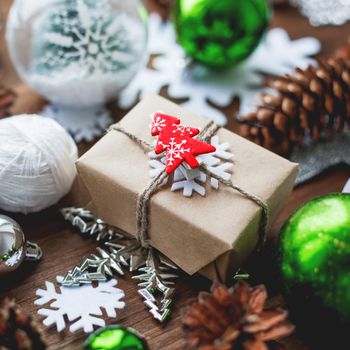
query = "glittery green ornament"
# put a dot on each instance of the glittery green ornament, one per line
(220, 33)
(314, 256)
(115, 338)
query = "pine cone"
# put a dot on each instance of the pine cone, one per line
(313, 102)
(17, 330)
(234, 320)
(7, 98)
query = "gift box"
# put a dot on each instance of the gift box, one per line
(211, 234)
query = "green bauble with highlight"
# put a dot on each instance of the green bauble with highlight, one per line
(115, 338)
(314, 258)
(220, 33)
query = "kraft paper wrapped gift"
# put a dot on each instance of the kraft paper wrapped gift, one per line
(212, 235)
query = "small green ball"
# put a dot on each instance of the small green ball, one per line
(314, 256)
(115, 338)
(5, 257)
(220, 33)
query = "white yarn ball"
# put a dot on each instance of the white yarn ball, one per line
(37, 163)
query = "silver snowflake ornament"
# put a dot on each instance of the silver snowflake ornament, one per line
(81, 305)
(193, 180)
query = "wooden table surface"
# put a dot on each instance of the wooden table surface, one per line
(63, 247)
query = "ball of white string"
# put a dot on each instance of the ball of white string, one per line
(37, 163)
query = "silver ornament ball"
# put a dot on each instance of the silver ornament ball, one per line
(14, 248)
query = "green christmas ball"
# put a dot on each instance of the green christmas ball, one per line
(220, 33)
(314, 257)
(115, 338)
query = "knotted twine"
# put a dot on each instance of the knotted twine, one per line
(142, 208)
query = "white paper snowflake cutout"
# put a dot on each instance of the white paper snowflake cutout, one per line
(193, 180)
(276, 54)
(82, 305)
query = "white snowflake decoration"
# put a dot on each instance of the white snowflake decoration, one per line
(174, 150)
(182, 129)
(84, 124)
(82, 305)
(193, 180)
(88, 36)
(276, 55)
(158, 124)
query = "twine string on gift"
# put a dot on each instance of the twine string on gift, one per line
(142, 211)
(257, 200)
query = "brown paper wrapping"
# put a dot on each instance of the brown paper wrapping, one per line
(211, 234)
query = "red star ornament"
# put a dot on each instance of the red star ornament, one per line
(177, 141)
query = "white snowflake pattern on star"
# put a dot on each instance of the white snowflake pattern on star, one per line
(275, 55)
(193, 180)
(81, 305)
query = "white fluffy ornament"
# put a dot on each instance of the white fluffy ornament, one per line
(37, 163)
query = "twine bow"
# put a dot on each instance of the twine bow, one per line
(142, 211)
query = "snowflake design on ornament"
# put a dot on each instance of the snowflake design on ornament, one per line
(174, 150)
(193, 180)
(182, 130)
(81, 305)
(158, 124)
(86, 35)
